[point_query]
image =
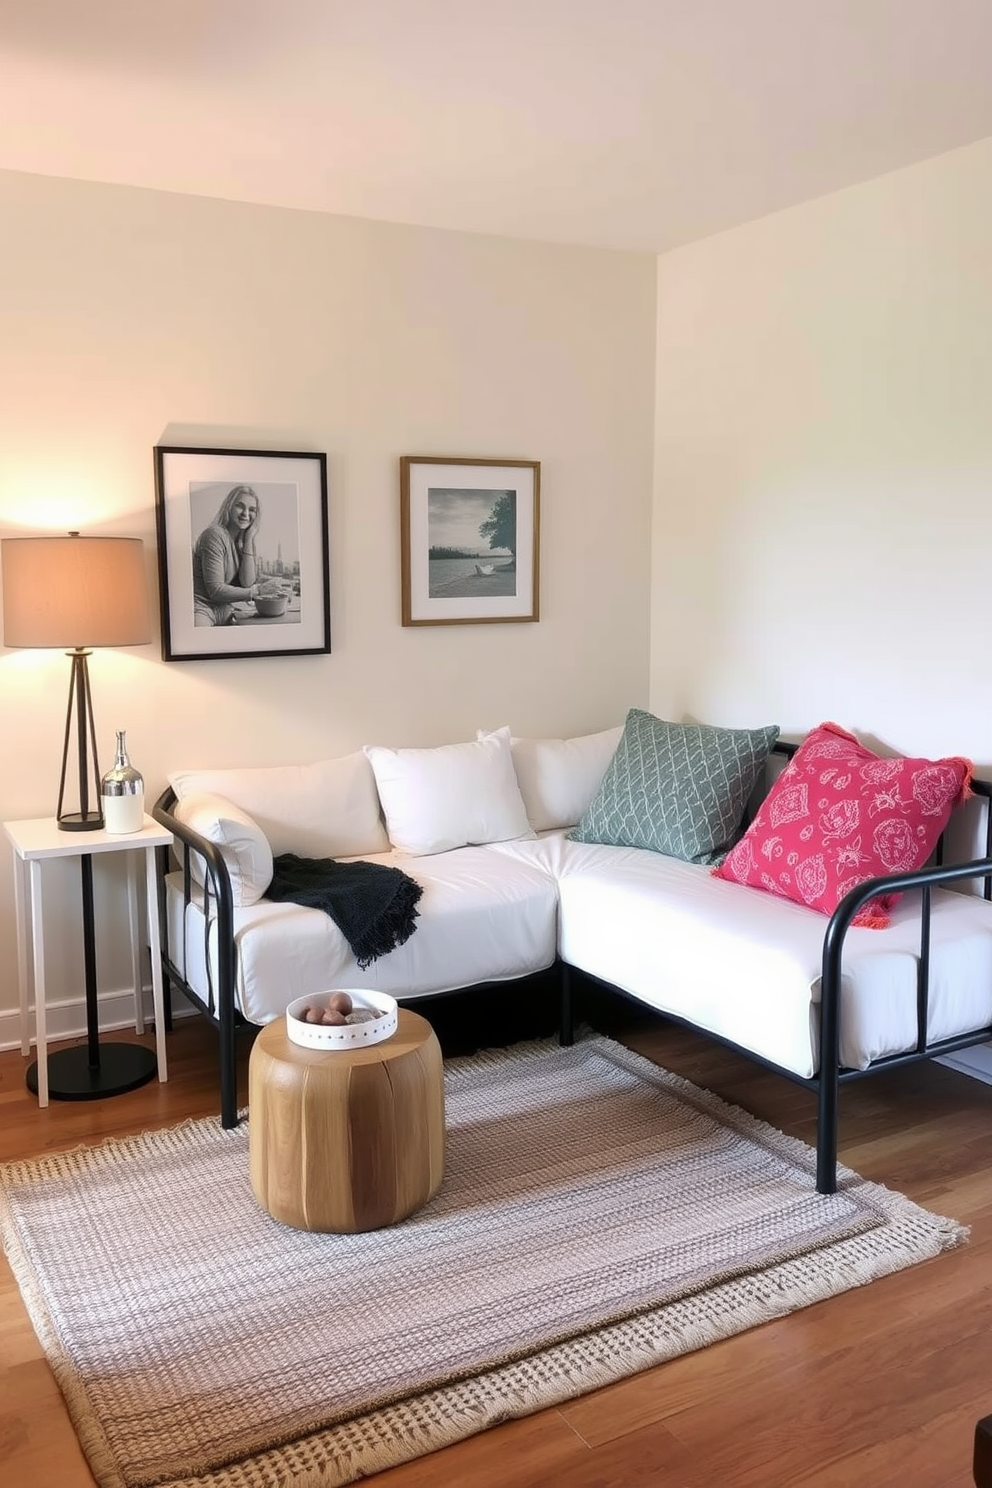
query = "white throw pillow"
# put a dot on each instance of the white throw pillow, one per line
(326, 810)
(558, 778)
(243, 845)
(438, 799)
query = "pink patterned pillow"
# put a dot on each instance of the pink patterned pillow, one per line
(838, 815)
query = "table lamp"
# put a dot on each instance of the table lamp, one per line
(76, 592)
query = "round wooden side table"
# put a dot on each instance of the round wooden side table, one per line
(346, 1140)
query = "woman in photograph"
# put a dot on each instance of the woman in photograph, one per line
(225, 559)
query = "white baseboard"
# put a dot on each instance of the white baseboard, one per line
(67, 1019)
(976, 1062)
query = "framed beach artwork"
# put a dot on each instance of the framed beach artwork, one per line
(469, 540)
(242, 553)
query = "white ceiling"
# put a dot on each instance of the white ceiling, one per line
(633, 124)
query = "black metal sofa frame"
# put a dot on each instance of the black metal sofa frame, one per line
(826, 1083)
(831, 1075)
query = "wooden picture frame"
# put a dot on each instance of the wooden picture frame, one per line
(232, 584)
(470, 540)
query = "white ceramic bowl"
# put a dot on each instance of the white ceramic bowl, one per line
(351, 1035)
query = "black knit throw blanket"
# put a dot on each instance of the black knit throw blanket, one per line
(373, 906)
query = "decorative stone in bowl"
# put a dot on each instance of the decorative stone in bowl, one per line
(374, 1017)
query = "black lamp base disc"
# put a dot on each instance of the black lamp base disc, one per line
(71, 1077)
(81, 821)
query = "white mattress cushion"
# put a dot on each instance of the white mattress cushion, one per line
(482, 917)
(438, 799)
(729, 959)
(325, 810)
(747, 965)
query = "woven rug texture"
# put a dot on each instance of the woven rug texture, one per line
(598, 1215)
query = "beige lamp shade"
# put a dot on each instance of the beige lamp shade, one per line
(74, 591)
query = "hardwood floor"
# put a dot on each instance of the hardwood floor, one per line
(880, 1386)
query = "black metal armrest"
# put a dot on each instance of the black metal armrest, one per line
(218, 903)
(925, 879)
(218, 880)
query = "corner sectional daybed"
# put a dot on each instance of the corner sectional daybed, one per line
(493, 832)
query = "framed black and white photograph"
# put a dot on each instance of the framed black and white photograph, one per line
(242, 553)
(469, 540)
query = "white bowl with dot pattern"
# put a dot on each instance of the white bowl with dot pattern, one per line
(348, 1035)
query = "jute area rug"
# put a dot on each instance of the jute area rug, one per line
(598, 1215)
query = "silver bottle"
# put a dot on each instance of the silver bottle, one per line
(122, 793)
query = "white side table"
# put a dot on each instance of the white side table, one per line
(98, 1069)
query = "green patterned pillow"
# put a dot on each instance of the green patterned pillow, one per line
(677, 788)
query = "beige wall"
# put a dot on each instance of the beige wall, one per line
(131, 318)
(822, 523)
(823, 507)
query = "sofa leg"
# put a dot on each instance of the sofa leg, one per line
(826, 1135)
(566, 1030)
(228, 1079)
(982, 1461)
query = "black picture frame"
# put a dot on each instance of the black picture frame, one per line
(210, 611)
